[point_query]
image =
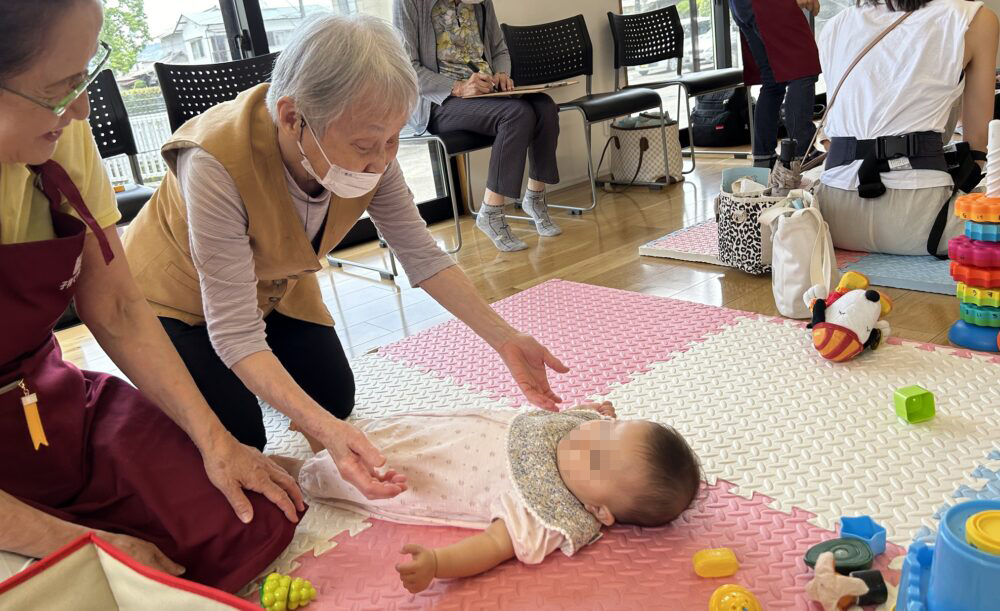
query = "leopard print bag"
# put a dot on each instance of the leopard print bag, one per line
(737, 212)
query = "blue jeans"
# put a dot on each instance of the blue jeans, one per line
(799, 95)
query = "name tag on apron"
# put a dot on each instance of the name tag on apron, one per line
(34, 420)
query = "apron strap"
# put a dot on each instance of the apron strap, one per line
(56, 184)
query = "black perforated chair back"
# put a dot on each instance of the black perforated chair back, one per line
(549, 52)
(108, 118)
(644, 38)
(190, 90)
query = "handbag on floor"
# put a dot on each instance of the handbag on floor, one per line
(737, 212)
(796, 241)
(637, 150)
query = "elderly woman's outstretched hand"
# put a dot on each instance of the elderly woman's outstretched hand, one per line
(527, 361)
(358, 461)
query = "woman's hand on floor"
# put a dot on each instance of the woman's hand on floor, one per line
(419, 572)
(233, 467)
(527, 361)
(358, 460)
(143, 552)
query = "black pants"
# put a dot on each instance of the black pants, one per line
(525, 127)
(311, 354)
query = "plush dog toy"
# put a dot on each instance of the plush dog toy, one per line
(848, 320)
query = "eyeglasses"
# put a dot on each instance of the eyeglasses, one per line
(94, 68)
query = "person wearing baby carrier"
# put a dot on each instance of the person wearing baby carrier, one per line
(890, 176)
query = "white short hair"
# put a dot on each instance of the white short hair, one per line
(332, 61)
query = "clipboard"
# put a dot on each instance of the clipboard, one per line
(523, 90)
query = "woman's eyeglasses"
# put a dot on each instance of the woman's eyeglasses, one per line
(94, 68)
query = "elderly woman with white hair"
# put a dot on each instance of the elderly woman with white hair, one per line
(260, 189)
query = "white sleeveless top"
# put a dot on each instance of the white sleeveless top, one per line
(908, 82)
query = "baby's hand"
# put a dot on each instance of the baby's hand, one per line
(604, 409)
(419, 572)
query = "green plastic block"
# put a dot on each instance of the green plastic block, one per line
(914, 404)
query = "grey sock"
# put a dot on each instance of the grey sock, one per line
(534, 205)
(493, 223)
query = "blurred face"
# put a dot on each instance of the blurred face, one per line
(29, 132)
(601, 463)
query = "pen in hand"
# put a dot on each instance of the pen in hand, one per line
(475, 70)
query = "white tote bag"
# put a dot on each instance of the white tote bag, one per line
(797, 244)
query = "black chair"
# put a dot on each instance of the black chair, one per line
(113, 133)
(644, 38)
(559, 51)
(190, 90)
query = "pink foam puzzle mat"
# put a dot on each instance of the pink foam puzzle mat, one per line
(788, 442)
(700, 243)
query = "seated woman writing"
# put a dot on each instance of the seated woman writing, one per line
(458, 50)
(886, 186)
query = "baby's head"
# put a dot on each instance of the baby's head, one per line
(629, 471)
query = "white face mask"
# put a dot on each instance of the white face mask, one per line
(340, 182)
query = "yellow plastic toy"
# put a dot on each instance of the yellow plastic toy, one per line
(982, 531)
(282, 593)
(731, 597)
(718, 562)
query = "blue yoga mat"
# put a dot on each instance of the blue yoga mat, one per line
(927, 274)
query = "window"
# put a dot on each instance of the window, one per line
(197, 50)
(167, 32)
(220, 49)
(277, 39)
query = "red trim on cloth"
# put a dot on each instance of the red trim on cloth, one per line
(158, 576)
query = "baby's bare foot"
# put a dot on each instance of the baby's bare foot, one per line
(289, 464)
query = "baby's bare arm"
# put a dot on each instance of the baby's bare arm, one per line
(605, 409)
(470, 556)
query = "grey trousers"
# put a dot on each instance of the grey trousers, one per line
(525, 128)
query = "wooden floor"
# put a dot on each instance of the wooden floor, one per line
(596, 248)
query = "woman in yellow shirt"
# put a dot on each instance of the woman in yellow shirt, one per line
(153, 472)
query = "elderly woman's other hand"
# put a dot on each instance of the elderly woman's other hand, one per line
(503, 82)
(527, 361)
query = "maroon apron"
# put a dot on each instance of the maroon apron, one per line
(790, 44)
(114, 461)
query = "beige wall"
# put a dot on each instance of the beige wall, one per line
(995, 5)
(572, 161)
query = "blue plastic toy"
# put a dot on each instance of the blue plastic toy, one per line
(951, 575)
(974, 337)
(913, 404)
(866, 529)
(987, 232)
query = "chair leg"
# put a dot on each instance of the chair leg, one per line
(687, 108)
(663, 142)
(443, 152)
(590, 172)
(750, 113)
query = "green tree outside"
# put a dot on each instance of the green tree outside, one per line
(126, 31)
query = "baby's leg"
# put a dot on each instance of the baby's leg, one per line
(291, 465)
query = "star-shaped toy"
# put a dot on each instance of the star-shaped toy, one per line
(831, 589)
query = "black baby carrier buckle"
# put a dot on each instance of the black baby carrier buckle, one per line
(913, 151)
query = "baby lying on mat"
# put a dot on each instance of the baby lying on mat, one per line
(535, 481)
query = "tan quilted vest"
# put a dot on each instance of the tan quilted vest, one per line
(242, 136)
